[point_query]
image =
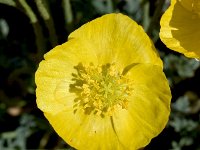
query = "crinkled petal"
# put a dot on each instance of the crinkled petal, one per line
(180, 28)
(54, 74)
(115, 38)
(85, 131)
(148, 107)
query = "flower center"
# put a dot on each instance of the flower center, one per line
(100, 89)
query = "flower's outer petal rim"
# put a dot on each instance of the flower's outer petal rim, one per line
(166, 31)
(54, 74)
(116, 38)
(148, 107)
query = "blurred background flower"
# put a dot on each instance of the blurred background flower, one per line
(180, 27)
(28, 29)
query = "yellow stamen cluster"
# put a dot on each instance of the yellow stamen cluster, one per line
(100, 89)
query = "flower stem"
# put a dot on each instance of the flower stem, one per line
(48, 21)
(155, 19)
(40, 43)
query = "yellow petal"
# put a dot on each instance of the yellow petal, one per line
(54, 75)
(148, 107)
(115, 38)
(180, 27)
(85, 131)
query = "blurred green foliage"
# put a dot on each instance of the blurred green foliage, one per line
(28, 29)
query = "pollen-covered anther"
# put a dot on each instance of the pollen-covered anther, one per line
(100, 89)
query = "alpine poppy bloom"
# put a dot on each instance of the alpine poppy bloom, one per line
(104, 88)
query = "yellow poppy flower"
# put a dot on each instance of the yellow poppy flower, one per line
(104, 88)
(180, 27)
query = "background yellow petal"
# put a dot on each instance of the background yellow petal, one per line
(148, 107)
(115, 38)
(180, 28)
(187, 4)
(85, 131)
(54, 74)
